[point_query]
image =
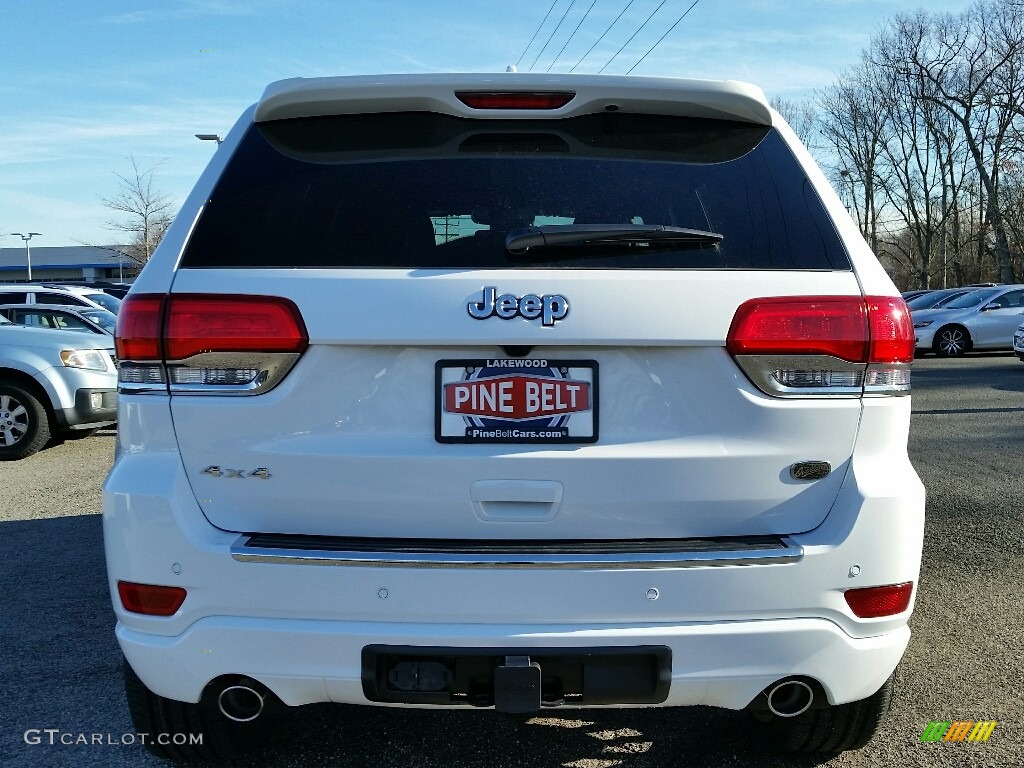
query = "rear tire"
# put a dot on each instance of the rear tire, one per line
(24, 423)
(951, 341)
(834, 728)
(221, 740)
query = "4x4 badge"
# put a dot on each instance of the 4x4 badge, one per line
(261, 472)
(550, 307)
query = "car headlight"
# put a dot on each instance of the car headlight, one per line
(89, 359)
(923, 323)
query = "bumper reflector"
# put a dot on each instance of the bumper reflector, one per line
(150, 599)
(873, 602)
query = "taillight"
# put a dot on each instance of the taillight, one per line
(150, 599)
(514, 100)
(873, 602)
(137, 333)
(799, 346)
(201, 324)
(207, 343)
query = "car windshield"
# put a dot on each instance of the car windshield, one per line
(923, 301)
(934, 299)
(105, 300)
(102, 317)
(972, 299)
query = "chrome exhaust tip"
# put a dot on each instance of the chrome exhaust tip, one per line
(240, 703)
(790, 698)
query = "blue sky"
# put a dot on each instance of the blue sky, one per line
(83, 86)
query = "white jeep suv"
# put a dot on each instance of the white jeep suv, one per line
(516, 391)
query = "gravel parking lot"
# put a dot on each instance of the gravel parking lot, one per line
(60, 666)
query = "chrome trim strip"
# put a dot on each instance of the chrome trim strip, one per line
(771, 551)
(271, 368)
(760, 369)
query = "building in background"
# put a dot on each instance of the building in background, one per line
(61, 263)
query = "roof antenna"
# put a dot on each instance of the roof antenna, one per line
(511, 68)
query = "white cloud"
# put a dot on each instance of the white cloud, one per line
(189, 10)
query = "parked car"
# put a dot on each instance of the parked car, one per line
(72, 295)
(521, 392)
(90, 319)
(1018, 341)
(53, 384)
(982, 319)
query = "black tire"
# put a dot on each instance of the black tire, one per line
(24, 423)
(951, 341)
(223, 741)
(833, 728)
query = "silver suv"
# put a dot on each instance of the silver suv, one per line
(54, 384)
(519, 392)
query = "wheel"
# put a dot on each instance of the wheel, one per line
(951, 341)
(831, 728)
(192, 732)
(24, 424)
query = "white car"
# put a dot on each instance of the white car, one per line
(512, 391)
(71, 295)
(981, 319)
(1018, 341)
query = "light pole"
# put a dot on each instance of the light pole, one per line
(209, 137)
(28, 249)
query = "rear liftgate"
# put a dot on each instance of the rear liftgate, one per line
(516, 679)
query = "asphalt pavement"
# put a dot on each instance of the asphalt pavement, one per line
(61, 701)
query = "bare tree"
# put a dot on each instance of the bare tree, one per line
(854, 122)
(971, 67)
(145, 212)
(801, 116)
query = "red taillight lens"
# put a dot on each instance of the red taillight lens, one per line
(137, 334)
(875, 329)
(873, 602)
(891, 329)
(801, 325)
(797, 346)
(213, 323)
(150, 599)
(535, 100)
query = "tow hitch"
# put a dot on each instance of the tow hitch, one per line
(517, 685)
(516, 679)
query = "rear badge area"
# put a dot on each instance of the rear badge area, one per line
(516, 400)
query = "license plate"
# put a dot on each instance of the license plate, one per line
(516, 400)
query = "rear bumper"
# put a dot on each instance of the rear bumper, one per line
(300, 629)
(722, 665)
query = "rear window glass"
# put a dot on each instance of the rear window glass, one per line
(59, 298)
(427, 191)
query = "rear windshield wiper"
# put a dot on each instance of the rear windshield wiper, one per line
(522, 240)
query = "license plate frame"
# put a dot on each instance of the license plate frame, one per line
(558, 388)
